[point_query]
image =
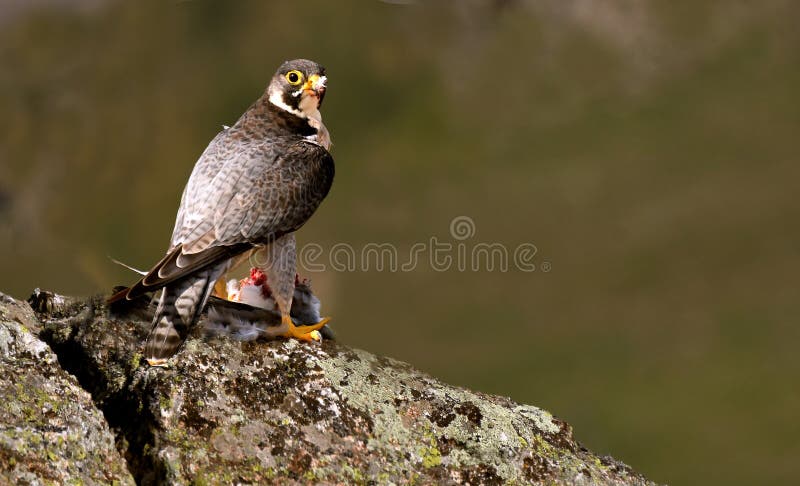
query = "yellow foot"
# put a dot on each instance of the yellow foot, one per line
(220, 289)
(304, 333)
(157, 362)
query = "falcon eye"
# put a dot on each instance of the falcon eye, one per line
(294, 77)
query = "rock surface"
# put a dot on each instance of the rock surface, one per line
(50, 430)
(263, 412)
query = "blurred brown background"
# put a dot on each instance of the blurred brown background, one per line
(648, 149)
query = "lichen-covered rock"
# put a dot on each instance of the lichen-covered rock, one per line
(287, 412)
(50, 430)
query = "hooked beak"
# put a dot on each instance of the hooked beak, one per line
(315, 86)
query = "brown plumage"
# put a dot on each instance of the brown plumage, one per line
(256, 183)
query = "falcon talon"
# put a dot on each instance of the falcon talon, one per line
(304, 333)
(256, 183)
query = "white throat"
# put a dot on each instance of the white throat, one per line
(309, 111)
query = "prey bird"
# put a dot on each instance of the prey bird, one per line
(250, 312)
(256, 184)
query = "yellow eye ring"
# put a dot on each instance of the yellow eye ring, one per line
(294, 77)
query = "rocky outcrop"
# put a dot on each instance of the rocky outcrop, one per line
(50, 430)
(227, 412)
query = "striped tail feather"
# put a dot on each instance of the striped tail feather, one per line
(178, 309)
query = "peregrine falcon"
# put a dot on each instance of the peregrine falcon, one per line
(256, 184)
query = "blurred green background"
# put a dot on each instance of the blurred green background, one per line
(648, 149)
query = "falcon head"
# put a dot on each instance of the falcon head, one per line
(298, 87)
